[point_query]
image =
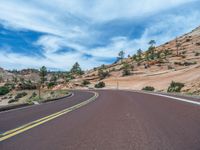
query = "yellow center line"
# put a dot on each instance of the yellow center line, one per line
(40, 121)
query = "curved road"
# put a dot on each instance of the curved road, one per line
(117, 120)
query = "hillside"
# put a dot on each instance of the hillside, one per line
(179, 60)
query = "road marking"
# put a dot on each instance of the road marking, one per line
(167, 96)
(176, 98)
(38, 122)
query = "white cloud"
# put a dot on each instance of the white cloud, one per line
(63, 17)
(105, 10)
(50, 44)
(63, 62)
(72, 24)
(167, 28)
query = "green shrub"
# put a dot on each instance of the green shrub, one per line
(198, 44)
(148, 88)
(10, 86)
(197, 54)
(27, 85)
(188, 40)
(33, 95)
(102, 74)
(178, 63)
(190, 63)
(100, 85)
(113, 69)
(4, 90)
(126, 72)
(126, 69)
(183, 56)
(20, 95)
(167, 52)
(184, 52)
(85, 82)
(175, 87)
(51, 84)
(185, 63)
(13, 100)
(138, 64)
(69, 77)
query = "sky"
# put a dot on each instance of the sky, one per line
(58, 33)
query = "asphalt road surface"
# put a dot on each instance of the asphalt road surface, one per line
(116, 120)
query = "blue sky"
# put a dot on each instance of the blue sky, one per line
(58, 33)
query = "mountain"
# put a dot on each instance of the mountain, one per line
(177, 60)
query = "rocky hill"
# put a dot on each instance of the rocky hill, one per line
(177, 60)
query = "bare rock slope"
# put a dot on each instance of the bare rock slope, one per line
(179, 60)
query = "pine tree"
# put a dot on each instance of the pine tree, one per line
(121, 55)
(43, 73)
(76, 69)
(139, 53)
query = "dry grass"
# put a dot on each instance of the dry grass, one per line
(45, 94)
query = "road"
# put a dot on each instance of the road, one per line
(116, 120)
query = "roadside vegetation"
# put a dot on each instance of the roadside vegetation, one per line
(148, 88)
(100, 85)
(85, 82)
(126, 69)
(26, 85)
(29, 96)
(175, 87)
(103, 74)
(4, 90)
(21, 90)
(17, 97)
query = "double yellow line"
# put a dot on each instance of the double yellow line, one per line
(38, 122)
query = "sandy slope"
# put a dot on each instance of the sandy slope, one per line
(160, 80)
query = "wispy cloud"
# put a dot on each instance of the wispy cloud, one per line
(91, 32)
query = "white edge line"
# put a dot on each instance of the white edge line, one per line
(179, 99)
(176, 98)
(161, 95)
